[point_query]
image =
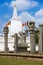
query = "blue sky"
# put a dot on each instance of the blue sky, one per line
(27, 9)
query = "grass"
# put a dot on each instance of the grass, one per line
(13, 61)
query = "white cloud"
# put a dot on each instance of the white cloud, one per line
(6, 16)
(39, 16)
(1, 22)
(4, 4)
(1, 26)
(23, 4)
(39, 13)
(26, 17)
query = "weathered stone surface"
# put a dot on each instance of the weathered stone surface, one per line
(16, 43)
(6, 39)
(40, 39)
(24, 37)
(32, 37)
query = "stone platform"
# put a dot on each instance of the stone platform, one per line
(22, 54)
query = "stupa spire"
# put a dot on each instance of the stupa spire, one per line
(15, 12)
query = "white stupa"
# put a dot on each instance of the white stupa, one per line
(16, 25)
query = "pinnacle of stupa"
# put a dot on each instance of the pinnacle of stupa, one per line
(15, 15)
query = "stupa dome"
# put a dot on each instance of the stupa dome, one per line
(16, 25)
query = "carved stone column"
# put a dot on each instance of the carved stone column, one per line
(24, 37)
(16, 43)
(40, 39)
(32, 36)
(6, 39)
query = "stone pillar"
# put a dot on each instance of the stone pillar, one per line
(40, 39)
(32, 37)
(26, 33)
(6, 39)
(16, 43)
(24, 37)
